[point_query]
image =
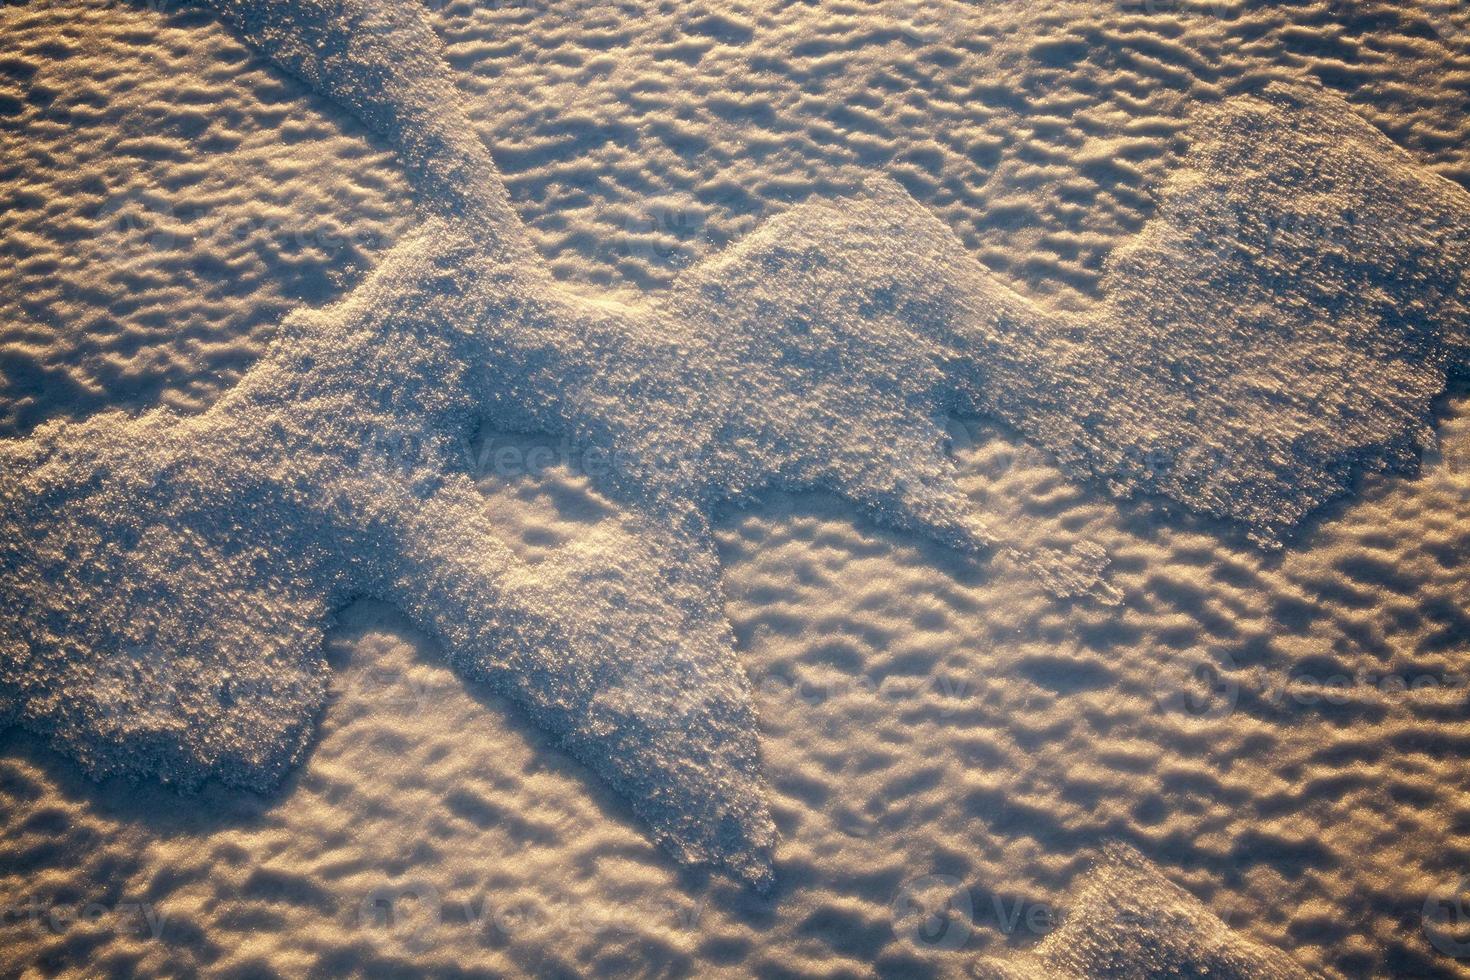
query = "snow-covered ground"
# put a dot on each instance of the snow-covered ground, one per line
(1252, 754)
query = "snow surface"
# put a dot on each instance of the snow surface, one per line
(202, 554)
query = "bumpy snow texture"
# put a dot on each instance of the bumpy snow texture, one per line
(1281, 325)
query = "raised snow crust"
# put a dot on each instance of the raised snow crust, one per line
(1280, 327)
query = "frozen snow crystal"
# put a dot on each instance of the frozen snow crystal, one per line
(1126, 921)
(166, 580)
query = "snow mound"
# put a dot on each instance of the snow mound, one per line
(1283, 324)
(1279, 328)
(165, 581)
(1127, 922)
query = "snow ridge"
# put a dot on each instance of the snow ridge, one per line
(168, 580)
